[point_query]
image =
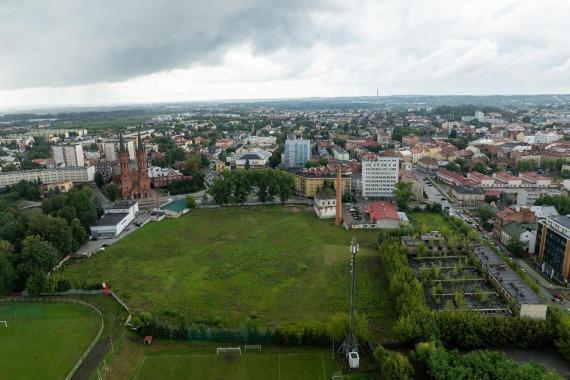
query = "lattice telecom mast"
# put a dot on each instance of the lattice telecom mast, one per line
(350, 345)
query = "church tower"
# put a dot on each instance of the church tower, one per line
(124, 165)
(144, 180)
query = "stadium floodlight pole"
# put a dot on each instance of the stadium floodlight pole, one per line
(350, 343)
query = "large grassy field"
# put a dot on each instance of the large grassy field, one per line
(44, 341)
(280, 265)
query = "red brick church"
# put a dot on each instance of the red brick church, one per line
(132, 176)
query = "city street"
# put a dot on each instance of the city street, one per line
(547, 289)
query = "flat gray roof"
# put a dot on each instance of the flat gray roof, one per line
(111, 219)
(563, 220)
(513, 284)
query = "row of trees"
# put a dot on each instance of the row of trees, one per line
(32, 242)
(315, 334)
(443, 364)
(235, 186)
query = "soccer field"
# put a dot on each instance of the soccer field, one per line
(235, 367)
(44, 340)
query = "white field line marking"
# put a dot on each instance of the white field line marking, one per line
(174, 366)
(139, 367)
(206, 355)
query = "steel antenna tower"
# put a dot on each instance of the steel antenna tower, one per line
(350, 343)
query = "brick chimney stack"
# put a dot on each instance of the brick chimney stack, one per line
(338, 220)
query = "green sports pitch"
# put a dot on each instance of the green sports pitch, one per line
(267, 366)
(44, 340)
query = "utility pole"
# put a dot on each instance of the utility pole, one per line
(350, 343)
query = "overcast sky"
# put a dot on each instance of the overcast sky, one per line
(69, 52)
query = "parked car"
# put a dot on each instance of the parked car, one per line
(558, 296)
(555, 300)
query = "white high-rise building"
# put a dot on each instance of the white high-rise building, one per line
(111, 149)
(297, 152)
(68, 155)
(379, 176)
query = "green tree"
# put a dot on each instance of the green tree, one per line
(112, 192)
(99, 180)
(480, 167)
(516, 246)
(7, 272)
(35, 283)
(194, 163)
(338, 325)
(525, 166)
(83, 201)
(80, 235)
(191, 202)
(393, 365)
(403, 192)
(485, 213)
(454, 167)
(311, 164)
(37, 255)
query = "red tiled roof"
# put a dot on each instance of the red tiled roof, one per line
(381, 210)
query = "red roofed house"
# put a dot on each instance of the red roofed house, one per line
(506, 180)
(481, 179)
(379, 214)
(535, 179)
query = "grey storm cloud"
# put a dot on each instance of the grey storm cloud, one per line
(67, 42)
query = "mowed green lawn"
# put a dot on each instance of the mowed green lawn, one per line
(198, 360)
(44, 341)
(431, 221)
(280, 265)
(236, 367)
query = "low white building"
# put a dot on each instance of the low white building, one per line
(325, 205)
(115, 220)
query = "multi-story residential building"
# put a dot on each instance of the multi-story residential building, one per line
(508, 215)
(481, 179)
(68, 155)
(428, 165)
(553, 254)
(111, 148)
(379, 175)
(297, 152)
(340, 154)
(468, 195)
(535, 180)
(78, 174)
(160, 177)
(308, 182)
(507, 180)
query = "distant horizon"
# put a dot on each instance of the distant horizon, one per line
(71, 107)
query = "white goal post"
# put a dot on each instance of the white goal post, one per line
(224, 350)
(4, 323)
(252, 347)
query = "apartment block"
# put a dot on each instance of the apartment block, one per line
(297, 152)
(379, 176)
(68, 155)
